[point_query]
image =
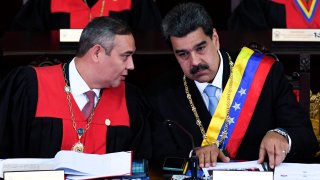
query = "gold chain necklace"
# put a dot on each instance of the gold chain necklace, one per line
(78, 146)
(101, 9)
(196, 115)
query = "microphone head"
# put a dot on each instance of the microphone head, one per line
(169, 122)
(175, 123)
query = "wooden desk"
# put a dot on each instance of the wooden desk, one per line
(155, 174)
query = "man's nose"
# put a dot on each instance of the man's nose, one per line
(130, 65)
(194, 58)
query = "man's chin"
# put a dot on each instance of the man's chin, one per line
(116, 83)
(200, 78)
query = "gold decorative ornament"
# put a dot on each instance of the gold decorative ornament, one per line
(315, 113)
(78, 146)
(196, 115)
(101, 9)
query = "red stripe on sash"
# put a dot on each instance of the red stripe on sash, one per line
(249, 106)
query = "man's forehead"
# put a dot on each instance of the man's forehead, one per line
(124, 41)
(189, 46)
(191, 40)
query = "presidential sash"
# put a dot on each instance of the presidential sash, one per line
(249, 74)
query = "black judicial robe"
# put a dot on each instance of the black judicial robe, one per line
(36, 15)
(276, 107)
(23, 135)
(253, 15)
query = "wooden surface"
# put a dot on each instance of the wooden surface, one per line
(24, 43)
(21, 48)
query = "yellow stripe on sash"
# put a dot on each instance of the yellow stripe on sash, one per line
(220, 114)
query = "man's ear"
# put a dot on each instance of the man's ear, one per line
(95, 52)
(215, 38)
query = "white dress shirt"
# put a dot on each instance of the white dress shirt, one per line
(79, 87)
(217, 82)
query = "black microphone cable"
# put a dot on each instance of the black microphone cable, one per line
(193, 159)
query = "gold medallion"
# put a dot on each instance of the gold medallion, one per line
(78, 147)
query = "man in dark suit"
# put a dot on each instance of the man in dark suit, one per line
(256, 114)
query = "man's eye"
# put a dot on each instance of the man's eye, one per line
(183, 55)
(125, 57)
(200, 49)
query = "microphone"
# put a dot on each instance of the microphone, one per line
(193, 159)
(174, 123)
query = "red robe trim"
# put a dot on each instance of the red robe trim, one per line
(80, 12)
(52, 102)
(299, 14)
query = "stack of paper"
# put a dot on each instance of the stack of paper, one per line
(75, 165)
(297, 171)
(248, 170)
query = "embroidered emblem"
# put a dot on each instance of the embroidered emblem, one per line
(308, 10)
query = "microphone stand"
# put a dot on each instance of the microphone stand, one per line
(193, 159)
(194, 167)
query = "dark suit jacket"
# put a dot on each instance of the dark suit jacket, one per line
(276, 107)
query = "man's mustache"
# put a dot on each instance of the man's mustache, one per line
(199, 67)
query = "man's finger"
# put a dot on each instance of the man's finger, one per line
(207, 157)
(223, 157)
(201, 159)
(214, 157)
(272, 158)
(262, 154)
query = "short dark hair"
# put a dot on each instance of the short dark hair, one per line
(185, 18)
(101, 30)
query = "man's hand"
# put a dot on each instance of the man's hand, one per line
(208, 155)
(275, 146)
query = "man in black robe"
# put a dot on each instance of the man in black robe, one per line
(260, 15)
(46, 15)
(40, 107)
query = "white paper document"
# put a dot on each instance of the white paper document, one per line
(247, 170)
(35, 175)
(75, 165)
(25, 164)
(235, 166)
(296, 171)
